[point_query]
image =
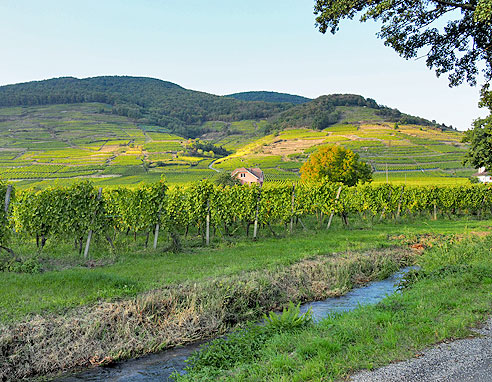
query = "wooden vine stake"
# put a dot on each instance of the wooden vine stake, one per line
(255, 229)
(89, 236)
(292, 207)
(383, 212)
(156, 234)
(480, 211)
(334, 205)
(399, 203)
(8, 193)
(157, 226)
(207, 232)
(435, 211)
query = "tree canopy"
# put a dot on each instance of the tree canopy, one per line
(480, 137)
(193, 145)
(336, 164)
(412, 28)
(454, 36)
(266, 96)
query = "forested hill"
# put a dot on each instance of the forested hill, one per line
(269, 97)
(149, 100)
(327, 110)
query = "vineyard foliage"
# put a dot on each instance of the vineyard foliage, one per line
(4, 216)
(70, 212)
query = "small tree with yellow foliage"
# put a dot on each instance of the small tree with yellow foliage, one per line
(336, 164)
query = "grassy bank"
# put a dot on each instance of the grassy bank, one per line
(442, 301)
(146, 301)
(180, 313)
(69, 281)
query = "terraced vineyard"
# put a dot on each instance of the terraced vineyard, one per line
(42, 143)
(412, 151)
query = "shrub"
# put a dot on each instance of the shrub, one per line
(290, 318)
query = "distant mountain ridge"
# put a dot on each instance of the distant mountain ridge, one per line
(151, 101)
(269, 96)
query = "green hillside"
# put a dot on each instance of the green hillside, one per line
(149, 100)
(66, 141)
(266, 96)
(328, 110)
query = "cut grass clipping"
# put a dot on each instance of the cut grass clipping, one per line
(442, 301)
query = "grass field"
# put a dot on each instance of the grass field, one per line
(133, 270)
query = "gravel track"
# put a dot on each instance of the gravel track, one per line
(463, 360)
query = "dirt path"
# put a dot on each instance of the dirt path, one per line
(464, 360)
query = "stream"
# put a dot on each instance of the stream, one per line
(159, 367)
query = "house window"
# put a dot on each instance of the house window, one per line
(243, 175)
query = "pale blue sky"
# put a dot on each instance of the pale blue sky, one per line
(221, 47)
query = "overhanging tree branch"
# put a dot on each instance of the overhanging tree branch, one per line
(459, 43)
(466, 6)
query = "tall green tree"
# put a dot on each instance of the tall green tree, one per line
(480, 137)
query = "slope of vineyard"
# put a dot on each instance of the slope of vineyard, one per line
(47, 141)
(407, 150)
(41, 143)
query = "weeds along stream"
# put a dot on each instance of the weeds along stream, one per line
(440, 302)
(164, 365)
(181, 314)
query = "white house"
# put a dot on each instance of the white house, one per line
(483, 176)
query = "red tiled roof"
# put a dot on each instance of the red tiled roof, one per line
(256, 171)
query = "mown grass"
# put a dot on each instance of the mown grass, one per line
(134, 270)
(450, 294)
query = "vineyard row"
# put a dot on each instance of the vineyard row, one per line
(77, 210)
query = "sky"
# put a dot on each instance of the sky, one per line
(222, 47)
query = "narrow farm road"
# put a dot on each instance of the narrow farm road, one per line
(463, 360)
(211, 166)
